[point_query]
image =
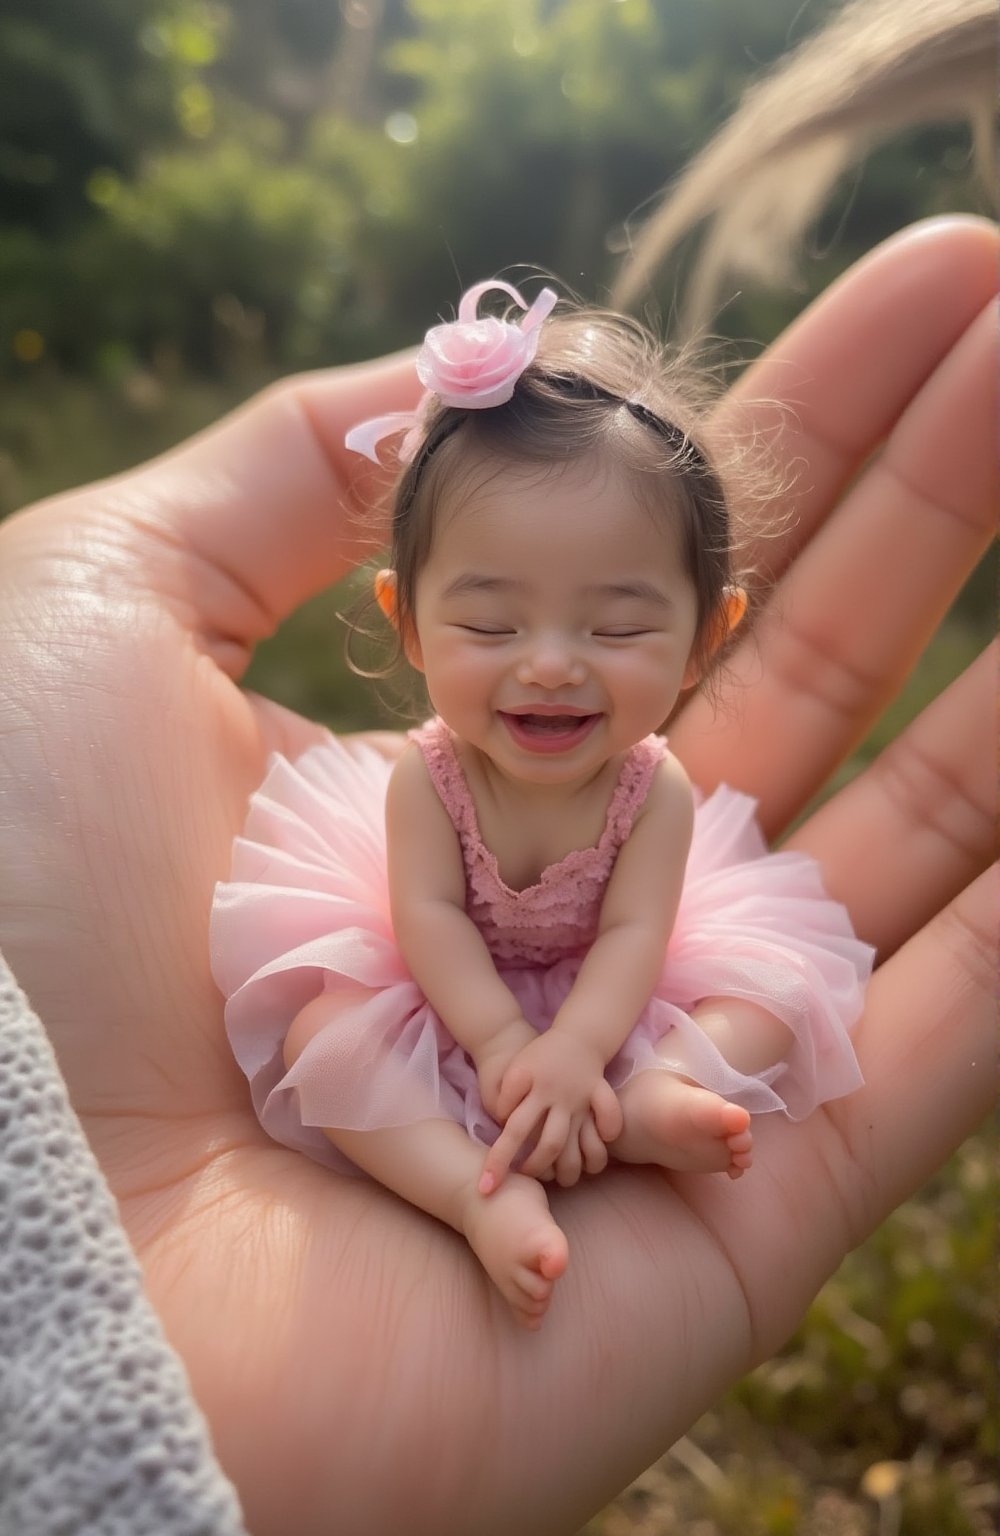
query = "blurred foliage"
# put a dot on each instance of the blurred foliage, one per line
(196, 195)
(241, 189)
(88, 88)
(880, 1417)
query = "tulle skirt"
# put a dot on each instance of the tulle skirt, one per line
(306, 912)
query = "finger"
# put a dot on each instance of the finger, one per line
(917, 826)
(927, 1048)
(607, 1111)
(828, 391)
(592, 1148)
(551, 1141)
(850, 619)
(569, 1163)
(515, 1084)
(242, 523)
(508, 1144)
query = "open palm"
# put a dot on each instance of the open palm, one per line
(358, 1371)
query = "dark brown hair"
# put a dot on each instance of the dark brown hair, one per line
(600, 386)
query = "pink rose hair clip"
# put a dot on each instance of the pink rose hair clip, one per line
(472, 362)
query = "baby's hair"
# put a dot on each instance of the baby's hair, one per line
(600, 386)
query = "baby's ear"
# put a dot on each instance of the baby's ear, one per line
(387, 597)
(732, 612)
(724, 621)
(385, 594)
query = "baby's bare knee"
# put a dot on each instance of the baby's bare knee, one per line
(307, 1023)
(319, 1013)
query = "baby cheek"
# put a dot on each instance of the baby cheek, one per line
(465, 667)
(651, 674)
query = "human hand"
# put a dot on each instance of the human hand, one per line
(127, 613)
(554, 1094)
(493, 1059)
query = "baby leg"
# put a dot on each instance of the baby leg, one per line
(672, 1121)
(436, 1166)
(750, 1038)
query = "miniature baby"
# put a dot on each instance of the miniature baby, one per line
(531, 946)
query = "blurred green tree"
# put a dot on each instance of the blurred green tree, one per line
(240, 190)
(85, 88)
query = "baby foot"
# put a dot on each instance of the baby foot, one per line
(513, 1235)
(679, 1125)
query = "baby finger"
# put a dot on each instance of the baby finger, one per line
(508, 1144)
(592, 1148)
(569, 1163)
(607, 1111)
(550, 1143)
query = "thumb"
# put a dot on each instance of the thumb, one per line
(607, 1111)
(244, 522)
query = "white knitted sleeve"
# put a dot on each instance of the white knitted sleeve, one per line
(99, 1433)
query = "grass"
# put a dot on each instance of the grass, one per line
(880, 1416)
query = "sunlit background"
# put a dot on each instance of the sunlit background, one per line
(197, 197)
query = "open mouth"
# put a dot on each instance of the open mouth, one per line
(548, 732)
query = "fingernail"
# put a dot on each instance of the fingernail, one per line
(487, 1184)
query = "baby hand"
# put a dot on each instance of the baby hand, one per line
(493, 1059)
(553, 1092)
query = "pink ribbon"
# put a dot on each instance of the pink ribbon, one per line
(470, 363)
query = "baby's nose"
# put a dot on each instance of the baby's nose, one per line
(552, 662)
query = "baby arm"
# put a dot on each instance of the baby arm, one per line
(441, 945)
(558, 1078)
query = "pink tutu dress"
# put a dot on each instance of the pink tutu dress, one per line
(306, 911)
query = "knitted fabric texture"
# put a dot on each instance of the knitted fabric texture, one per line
(99, 1433)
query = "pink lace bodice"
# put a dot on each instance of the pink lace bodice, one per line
(557, 917)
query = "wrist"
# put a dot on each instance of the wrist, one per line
(583, 1042)
(507, 1036)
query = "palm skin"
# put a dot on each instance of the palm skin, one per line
(358, 1371)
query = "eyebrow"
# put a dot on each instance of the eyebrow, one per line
(471, 581)
(637, 588)
(645, 591)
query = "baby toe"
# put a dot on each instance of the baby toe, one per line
(532, 1285)
(735, 1119)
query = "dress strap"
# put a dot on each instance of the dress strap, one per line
(438, 750)
(632, 788)
(437, 747)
